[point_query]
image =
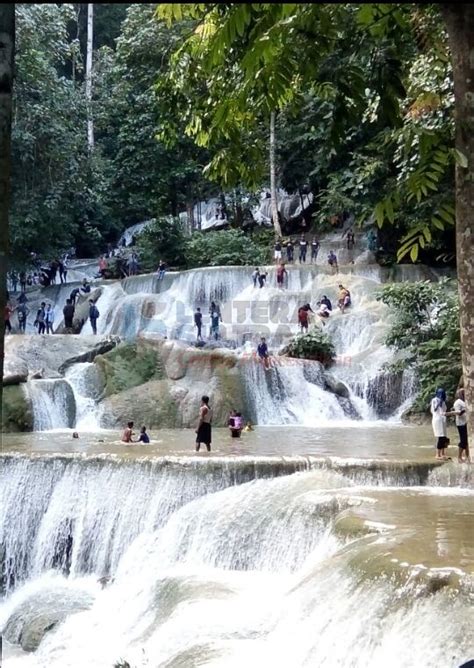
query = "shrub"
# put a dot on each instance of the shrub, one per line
(163, 240)
(315, 345)
(425, 330)
(225, 247)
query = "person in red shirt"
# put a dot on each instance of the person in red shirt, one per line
(102, 265)
(280, 274)
(7, 314)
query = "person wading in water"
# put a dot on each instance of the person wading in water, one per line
(203, 431)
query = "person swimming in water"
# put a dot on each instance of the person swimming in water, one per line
(144, 438)
(128, 433)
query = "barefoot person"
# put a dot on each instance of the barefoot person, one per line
(128, 433)
(203, 431)
(262, 351)
(459, 411)
(438, 411)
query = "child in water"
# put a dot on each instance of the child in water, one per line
(144, 438)
(248, 427)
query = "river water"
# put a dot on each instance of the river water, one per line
(291, 547)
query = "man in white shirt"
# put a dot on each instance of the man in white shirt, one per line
(459, 411)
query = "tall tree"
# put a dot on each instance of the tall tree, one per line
(89, 62)
(7, 50)
(460, 24)
(273, 185)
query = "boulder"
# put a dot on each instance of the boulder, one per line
(30, 350)
(17, 414)
(15, 370)
(335, 386)
(40, 612)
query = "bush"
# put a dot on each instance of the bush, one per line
(426, 332)
(221, 248)
(315, 345)
(163, 240)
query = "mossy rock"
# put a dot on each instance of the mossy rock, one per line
(17, 410)
(130, 365)
(150, 404)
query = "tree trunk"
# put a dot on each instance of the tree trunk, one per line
(459, 20)
(273, 189)
(7, 50)
(90, 43)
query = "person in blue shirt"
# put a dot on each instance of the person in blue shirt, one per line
(144, 438)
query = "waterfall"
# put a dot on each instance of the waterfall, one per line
(208, 572)
(84, 380)
(53, 404)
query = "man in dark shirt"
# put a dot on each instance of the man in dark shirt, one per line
(198, 322)
(68, 312)
(303, 247)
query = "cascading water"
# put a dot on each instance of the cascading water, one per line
(53, 404)
(84, 381)
(208, 573)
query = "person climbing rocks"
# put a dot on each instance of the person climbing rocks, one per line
(198, 323)
(262, 351)
(93, 315)
(277, 251)
(303, 244)
(459, 411)
(438, 411)
(323, 312)
(315, 245)
(102, 266)
(255, 275)
(325, 300)
(262, 279)
(74, 295)
(332, 261)
(290, 249)
(6, 317)
(68, 313)
(22, 312)
(204, 429)
(144, 438)
(40, 319)
(127, 436)
(281, 273)
(344, 298)
(49, 319)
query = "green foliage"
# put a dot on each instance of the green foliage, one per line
(425, 330)
(163, 240)
(315, 345)
(129, 365)
(227, 247)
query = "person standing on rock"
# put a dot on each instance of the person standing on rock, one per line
(281, 273)
(262, 352)
(85, 287)
(93, 315)
(68, 312)
(289, 250)
(23, 281)
(6, 317)
(40, 319)
(255, 275)
(262, 277)
(204, 430)
(314, 249)
(49, 319)
(438, 411)
(277, 251)
(332, 261)
(22, 314)
(303, 248)
(198, 323)
(215, 324)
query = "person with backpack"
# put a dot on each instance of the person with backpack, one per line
(40, 319)
(93, 315)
